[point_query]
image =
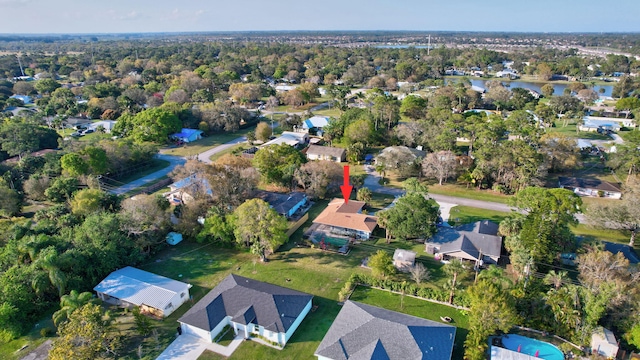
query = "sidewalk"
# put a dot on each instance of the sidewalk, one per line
(188, 347)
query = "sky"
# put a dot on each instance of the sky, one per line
(134, 16)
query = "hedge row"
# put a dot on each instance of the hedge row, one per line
(460, 298)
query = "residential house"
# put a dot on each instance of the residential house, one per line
(593, 123)
(404, 260)
(367, 332)
(250, 308)
(627, 251)
(187, 189)
(507, 73)
(317, 152)
(346, 219)
(290, 138)
(154, 294)
(603, 342)
(590, 187)
(106, 125)
(284, 204)
(477, 242)
(284, 88)
(315, 124)
(24, 98)
(187, 135)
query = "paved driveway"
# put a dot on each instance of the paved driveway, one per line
(188, 347)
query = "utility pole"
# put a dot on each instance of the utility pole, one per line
(429, 46)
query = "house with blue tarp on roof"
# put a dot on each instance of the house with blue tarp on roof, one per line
(185, 190)
(315, 124)
(187, 135)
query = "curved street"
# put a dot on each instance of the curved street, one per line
(146, 180)
(204, 156)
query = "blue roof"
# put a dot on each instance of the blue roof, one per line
(188, 181)
(315, 122)
(185, 133)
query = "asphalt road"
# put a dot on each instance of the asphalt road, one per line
(144, 181)
(204, 157)
(372, 182)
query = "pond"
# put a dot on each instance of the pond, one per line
(533, 347)
(558, 89)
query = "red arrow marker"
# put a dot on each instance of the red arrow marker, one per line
(346, 188)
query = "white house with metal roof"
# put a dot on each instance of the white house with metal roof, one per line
(154, 294)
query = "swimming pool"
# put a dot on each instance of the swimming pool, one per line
(530, 346)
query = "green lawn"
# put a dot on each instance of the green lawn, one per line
(417, 307)
(156, 165)
(319, 273)
(333, 112)
(11, 350)
(570, 131)
(466, 214)
(234, 149)
(206, 143)
(469, 193)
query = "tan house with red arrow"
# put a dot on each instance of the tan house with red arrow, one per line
(346, 219)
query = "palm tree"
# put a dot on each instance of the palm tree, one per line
(496, 275)
(454, 268)
(69, 303)
(48, 263)
(555, 278)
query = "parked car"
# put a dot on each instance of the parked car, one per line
(88, 131)
(76, 134)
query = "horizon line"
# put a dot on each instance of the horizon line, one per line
(318, 31)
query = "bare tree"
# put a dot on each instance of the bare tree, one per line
(441, 165)
(622, 215)
(419, 273)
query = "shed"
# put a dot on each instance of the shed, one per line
(174, 238)
(604, 343)
(403, 260)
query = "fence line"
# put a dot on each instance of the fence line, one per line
(413, 296)
(297, 224)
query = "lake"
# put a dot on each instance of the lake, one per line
(558, 89)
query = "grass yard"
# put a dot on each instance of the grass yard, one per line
(321, 274)
(333, 112)
(156, 165)
(11, 350)
(590, 232)
(570, 131)
(380, 201)
(465, 214)
(419, 308)
(206, 143)
(234, 149)
(469, 193)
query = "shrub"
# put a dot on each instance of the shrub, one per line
(46, 332)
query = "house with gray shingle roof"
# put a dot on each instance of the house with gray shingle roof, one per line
(154, 294)
(317, 152)
(478, 241)
(250, 307)
(367, 332)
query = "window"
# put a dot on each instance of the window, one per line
(182, 295)
(169, 306)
